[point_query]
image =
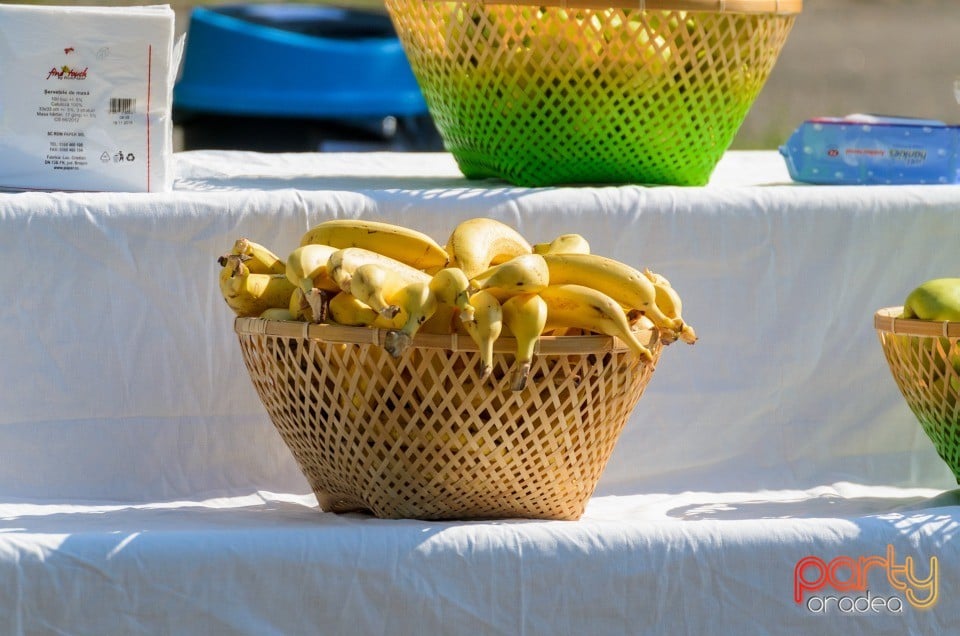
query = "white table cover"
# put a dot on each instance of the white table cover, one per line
(143, 490)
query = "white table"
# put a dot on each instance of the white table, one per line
(144, 491)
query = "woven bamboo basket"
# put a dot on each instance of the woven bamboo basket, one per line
(556, 92)
(421, 436)
(924, 358)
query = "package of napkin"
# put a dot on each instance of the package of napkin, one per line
(86, 98)
(863, 149)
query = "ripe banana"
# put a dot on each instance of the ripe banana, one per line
(669, 302)
(400, 243)
(476, 244)
(571, 305)
(527, 273)
(380, 288)
(299, 308)
(452, 288)
(258, 258)
(344, 262)
(623, 283)
(485, 327)
(526, 316)
(417, 304)
(277, 313)
(446, 320)
(564, 244)
(250, 294)
(346, 309)
(306, 267)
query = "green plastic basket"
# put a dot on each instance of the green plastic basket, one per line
(548, 95)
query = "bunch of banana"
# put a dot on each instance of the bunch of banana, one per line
(564, 244)
(476, 244)
(488, 281)
(525, 316)
(249, 293)
(259, 259)
(485, 327)
(252, 281)
(399, 243)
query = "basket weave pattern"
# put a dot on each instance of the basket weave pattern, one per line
(549, 95)
(421, 437)
(926, 369)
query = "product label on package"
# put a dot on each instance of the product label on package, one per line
(85, 98)
(874, 150)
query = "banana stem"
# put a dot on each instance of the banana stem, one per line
(485, 371)
(520, 376)
(319, 302)
(396, 342)
(687, 334)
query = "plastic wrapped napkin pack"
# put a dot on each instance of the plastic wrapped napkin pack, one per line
(85, 98)
(872, 149)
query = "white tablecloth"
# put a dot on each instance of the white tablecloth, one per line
(144, 491)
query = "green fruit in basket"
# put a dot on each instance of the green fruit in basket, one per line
(936, 299)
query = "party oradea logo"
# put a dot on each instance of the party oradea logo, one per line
(873, 584)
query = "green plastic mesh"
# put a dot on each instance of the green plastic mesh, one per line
(547, 96)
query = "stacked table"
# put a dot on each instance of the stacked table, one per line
(144, 490)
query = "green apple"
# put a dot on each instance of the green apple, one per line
(936, 299)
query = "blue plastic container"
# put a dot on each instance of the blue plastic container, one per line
(873, 150)
(331, 73)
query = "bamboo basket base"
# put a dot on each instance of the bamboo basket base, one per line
(422, 436)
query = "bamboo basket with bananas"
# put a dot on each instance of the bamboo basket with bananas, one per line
(489, 377)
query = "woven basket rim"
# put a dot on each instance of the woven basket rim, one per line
(453, 342)
(888, 320)
(774, 7)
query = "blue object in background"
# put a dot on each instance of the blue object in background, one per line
(298, 77)
(873, 150)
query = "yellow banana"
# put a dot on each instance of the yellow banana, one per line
(452, 288)
(656, 278)
(625, 284)
(446, 320)
(527, 273)
(570, 305)
(400, 243)
(564, 244)
(485, 327)
(417, 304)
(277, 313)
(306, 267)
(344, 262)
(346, 309)
(670, 303)
(258, 258)
(476, 244)
(526, 316)
(249, 294)
(377, 287)
(299, 308)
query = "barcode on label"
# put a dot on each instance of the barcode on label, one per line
(122, 105)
